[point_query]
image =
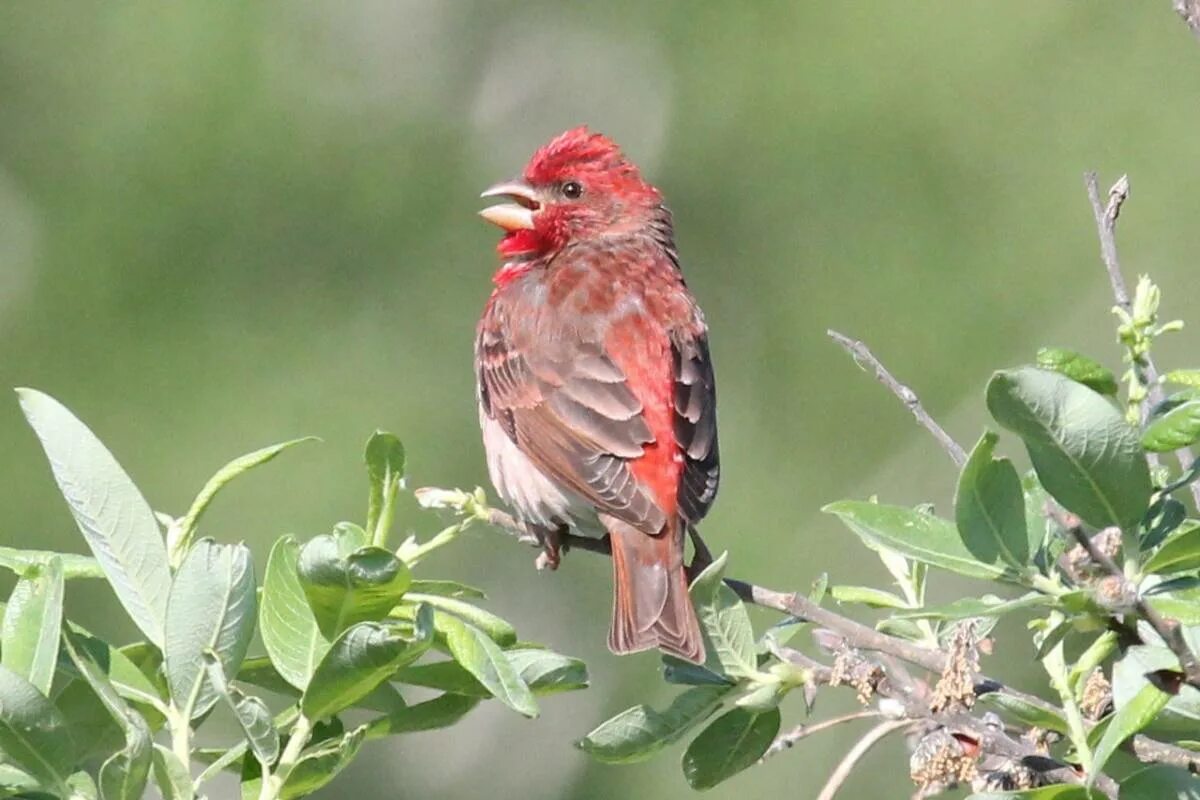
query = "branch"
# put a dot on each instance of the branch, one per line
(859, 352)
(1172, 635)
(858, 636)
(1189, 11)
(851, 759)
(788, 740)
(1106, 220)
(1105, 214)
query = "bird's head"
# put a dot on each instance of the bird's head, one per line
(577, 186)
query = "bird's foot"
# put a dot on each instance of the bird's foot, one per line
(551, 540)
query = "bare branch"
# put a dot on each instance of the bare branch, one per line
(1106, 214)
(1189, 11)
(1172, 635)
(851, 759)
(788, 740)
(862, 355)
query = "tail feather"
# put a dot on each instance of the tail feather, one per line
(651, 606)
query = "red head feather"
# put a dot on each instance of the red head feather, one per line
(591, 157)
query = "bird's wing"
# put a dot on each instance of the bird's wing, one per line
(696, 424)
(567, 404)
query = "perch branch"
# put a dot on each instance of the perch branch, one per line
(862, 355)
(1106, 214)
(862, 637)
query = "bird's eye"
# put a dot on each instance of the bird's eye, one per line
(572, 190)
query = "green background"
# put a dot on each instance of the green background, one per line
(226, 224)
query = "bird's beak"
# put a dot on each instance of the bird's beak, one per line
(514, 216)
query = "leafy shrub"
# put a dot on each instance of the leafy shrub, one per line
(343, 619)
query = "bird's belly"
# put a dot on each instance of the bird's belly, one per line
(534, 497)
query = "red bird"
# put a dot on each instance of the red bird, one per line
(596, 391)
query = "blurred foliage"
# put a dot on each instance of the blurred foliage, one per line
(224, 224)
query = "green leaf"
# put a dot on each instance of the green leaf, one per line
(914, 534)
(1161, 782)
(1180, 603)
(498, 630)
(73, 565)
(1179, 427)
(321, 764)
(1163, 517)
(987, 606)
(1129, 718)
(82, 786)
(1183, 377)
(445, 676)
(638, 733)
(81, 710)
(385, 469)
(132, 681)
(1085, 453)
(676, 670)
(447, 589)
(1078, 368)
(32, 620)
(989, 509)
(548, 672)
(439, 712)
(728, 635)
(251, 713)
(1179, 553)
(171, 775)
(113, 516)
(1059, 791)
(763, 696)
(33, 735)
(346, 582)
(13, 782)
(123, 776)
(543, 671)
(363, 657)
(865, 595)
(289, 629)
(729, 745)
(241, 464)
(484, 659)
(1042, 528)
(1024, 712)
(261, 672)
(212, 607)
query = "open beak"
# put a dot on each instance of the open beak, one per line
(514, 216)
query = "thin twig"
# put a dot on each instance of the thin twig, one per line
(851, 759)
(1172, 635)
(862, 355)
(1106, 214)
(788, 740)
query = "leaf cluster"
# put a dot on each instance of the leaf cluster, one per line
(346, 627)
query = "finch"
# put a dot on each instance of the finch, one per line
(597, 401)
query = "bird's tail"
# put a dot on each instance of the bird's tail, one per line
(651, 606)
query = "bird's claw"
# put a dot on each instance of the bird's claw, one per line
(552, 548)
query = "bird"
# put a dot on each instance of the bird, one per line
(597, 398)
